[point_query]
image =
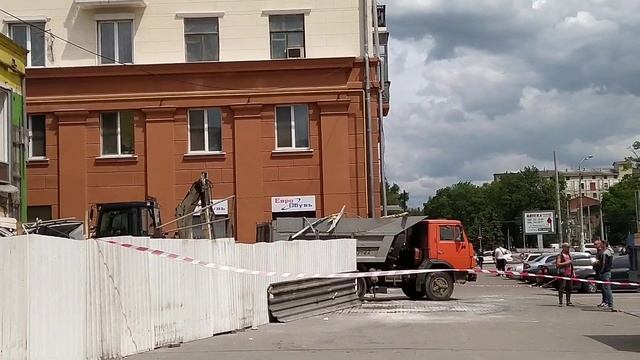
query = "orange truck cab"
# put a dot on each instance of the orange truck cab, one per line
(397, 243)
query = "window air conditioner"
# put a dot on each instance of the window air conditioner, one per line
(295, 52)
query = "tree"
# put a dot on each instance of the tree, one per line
(635, 150)
(618, 206)
(467, 202)
(495, 209)
(396, 196)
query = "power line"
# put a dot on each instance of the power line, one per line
(125, 64)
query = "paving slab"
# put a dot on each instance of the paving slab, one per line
(496, 318)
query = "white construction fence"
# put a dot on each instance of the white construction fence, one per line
(86, 299)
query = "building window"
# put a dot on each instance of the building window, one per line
(115, 41)
(581, 185)
(287, 36)
(201, 39)
(117, 133)
(30, 37)
(615, 176)
(205, 130)
(606, 185)
(37, 136)
(39, 213)
(4, 121)
(595, 195)
(592, 186)
(593, 177)
(292, 127)
(606, 177)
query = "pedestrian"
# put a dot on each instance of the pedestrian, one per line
(564, 262)
(480, 259)
(501, 262)
(604, 262)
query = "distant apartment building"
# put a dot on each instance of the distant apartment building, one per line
(591, 183)
(134, 98)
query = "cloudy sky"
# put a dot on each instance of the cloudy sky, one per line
(484, 86)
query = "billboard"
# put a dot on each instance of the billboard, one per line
(539, 222)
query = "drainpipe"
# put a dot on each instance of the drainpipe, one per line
(376, 51)
(367, 91)
(23, 154)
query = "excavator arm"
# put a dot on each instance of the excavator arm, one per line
(198, 195)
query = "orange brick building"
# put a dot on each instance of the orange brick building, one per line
(263, 130)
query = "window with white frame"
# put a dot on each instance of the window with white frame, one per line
(205, 130)
(201, 39)
(37, 136)
(4, 124)
(292, 127)
(116, 129)
(115, 41)
(31, 37)
(287, 36)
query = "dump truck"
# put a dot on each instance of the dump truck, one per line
(397, 243)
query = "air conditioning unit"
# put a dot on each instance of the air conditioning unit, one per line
(295, 53)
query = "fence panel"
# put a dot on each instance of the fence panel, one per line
(88, 299)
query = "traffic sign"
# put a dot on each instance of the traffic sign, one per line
(539, 222)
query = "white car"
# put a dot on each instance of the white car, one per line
(489, 259)
(591, 248)
(527, 259)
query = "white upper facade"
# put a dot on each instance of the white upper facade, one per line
(178, 31)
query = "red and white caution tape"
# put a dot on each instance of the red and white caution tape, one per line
(186, 259)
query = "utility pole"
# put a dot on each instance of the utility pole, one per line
(582, 248)
(589, 224)
(558, 206)
(637, 211)
(602, 237)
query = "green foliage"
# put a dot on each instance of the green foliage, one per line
(396, 196)
(619, 207)
(468, 203)
(495, 209)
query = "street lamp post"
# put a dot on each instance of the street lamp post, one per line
(558, 207)
(582, 248)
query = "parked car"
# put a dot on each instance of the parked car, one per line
(488, 258)
(591, 248)
(581, 261)
(619, 272)
(534, 267)
(520, 267)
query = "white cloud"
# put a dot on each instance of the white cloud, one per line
(487, 86)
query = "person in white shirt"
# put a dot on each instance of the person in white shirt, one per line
(501, 261)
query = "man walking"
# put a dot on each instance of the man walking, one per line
(564, 262)
(501, 261)
(604, 262)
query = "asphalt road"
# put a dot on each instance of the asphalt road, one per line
(493, 319)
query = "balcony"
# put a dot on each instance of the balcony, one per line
(386, 93)
(382, 16)
(93, 4)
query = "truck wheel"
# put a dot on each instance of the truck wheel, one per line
(409, 289)
(362, 286)
(438, 286)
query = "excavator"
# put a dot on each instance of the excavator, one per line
(142, 218)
